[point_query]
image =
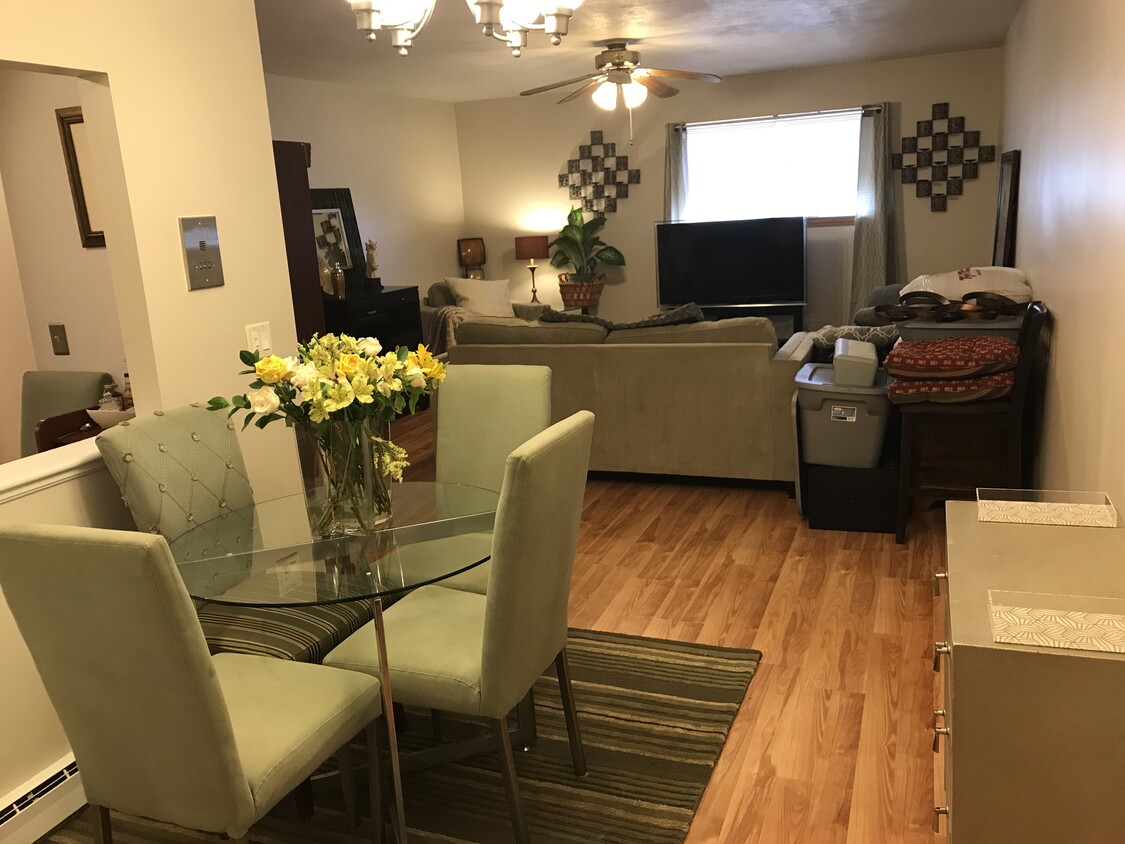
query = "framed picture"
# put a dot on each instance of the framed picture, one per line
(73, 134)
(336, 234)
(1007, 204)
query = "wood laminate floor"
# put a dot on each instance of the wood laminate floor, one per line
(832, 743)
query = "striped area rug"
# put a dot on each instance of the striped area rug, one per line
(654, 716)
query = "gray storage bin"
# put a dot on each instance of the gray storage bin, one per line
(924, 329)
(841, 425)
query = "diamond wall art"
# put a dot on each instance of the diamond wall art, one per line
(598, 178)
(941, 157)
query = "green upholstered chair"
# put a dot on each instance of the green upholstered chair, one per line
(478, 655)
(181, 468)
(483, 414)
(159, 727)
(51, 393)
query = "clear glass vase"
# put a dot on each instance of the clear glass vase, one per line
(346, 489)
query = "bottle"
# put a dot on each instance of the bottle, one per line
(338, 281)
(126, 394)
(109, 401)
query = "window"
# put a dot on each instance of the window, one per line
(789, 166)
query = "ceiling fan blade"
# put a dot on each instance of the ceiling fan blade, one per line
(593, 83)
(658, 88)
(562, 84)
(683, 74)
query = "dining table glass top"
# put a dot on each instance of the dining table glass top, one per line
(266, 555)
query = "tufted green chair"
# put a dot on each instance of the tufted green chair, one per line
(160, 728)
(182, 468)
(483, 414)
(51, 393)
(478, 655)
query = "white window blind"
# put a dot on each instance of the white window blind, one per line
(787, 166)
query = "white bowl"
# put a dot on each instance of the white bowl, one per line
(108, 418)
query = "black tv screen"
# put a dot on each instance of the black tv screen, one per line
(732, 262)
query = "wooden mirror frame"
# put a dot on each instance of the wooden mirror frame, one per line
(67, 118)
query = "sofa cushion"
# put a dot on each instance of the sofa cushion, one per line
(487, 297)
(440, 295)
(514, 331)
(952, 357)
(737, 330)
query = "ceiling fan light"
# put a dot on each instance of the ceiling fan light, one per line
(635, 93)
(406, 14)
(605, 96)
(487, 14)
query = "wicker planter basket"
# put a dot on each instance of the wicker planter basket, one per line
(581, 294)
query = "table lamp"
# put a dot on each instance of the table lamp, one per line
(529, 248)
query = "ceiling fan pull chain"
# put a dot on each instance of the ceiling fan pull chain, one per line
(630, 126)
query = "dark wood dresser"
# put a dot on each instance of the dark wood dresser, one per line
(391, 316)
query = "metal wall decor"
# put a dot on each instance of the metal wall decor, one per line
(599, 177)
(941, 157)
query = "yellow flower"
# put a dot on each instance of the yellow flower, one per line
(317, 412)
(347, 365)
(271, 369)
(363, 389)
(338, 396)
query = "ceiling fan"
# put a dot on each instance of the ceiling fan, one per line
(619, 71)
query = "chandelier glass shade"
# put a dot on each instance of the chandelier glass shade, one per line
(509, 21)
(605, 95)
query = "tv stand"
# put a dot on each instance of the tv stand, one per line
(795, 311)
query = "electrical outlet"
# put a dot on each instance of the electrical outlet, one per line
(59, 344)
(258, 338)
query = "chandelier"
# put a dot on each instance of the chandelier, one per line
(510, 21)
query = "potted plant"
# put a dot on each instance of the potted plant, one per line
(579, 246)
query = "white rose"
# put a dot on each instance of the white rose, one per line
(263, 400)
(415, 377)
(303, 374)
(369, 346)
(290, 366)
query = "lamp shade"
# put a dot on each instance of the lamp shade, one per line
(531, 247)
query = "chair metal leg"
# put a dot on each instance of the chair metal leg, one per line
(527, 733)
(511, 783)
(577, 753)
(346, 760)
(102, 832)
(375, 782)
(303, 794)
(436, 722)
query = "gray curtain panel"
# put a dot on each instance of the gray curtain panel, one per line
(675, 171)
(874, 253)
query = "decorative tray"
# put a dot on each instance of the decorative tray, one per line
(1046, 507)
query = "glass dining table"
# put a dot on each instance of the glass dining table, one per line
(265, 555)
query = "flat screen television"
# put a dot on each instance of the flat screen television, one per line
(732, 262)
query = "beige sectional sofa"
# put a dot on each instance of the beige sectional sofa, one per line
(707, 399)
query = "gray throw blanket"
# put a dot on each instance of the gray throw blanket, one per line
(443, 322)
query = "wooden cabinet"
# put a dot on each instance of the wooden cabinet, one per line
(1035, 749)
(391, 316)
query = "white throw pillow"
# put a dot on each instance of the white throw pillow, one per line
(1007, 281)
(486, 297)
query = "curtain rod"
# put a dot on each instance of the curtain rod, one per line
(864, 109)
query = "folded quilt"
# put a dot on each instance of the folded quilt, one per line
(952, 357)
(443, 322)
(951, 390)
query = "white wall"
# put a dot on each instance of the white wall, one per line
(512, 150)
(1064, 71)
(62, 281)
(18, 355)
(176, 115)
(397, 155)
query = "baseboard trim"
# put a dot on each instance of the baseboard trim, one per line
(42, 803)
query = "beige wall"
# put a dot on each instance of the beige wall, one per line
(177, 119)
(62, 281)
(18, 355)
(399, 158)
(1064, 70)
(512, 150)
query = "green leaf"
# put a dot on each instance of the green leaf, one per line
(246, 422)
(265, 420)
(610, 255)
(574, 218)
(217, 403)
(248, 357)
(240, 401)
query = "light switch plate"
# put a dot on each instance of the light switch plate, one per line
(59, 344)
(201, 252)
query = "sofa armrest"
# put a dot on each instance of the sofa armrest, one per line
(797, 348)
(531, 311)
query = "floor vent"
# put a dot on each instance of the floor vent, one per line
(23, 803)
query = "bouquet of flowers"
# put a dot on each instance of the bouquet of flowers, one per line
(343, 393)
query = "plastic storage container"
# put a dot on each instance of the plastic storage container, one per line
(841, 425)
(924, 329)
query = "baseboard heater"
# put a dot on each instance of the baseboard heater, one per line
(19, 812)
